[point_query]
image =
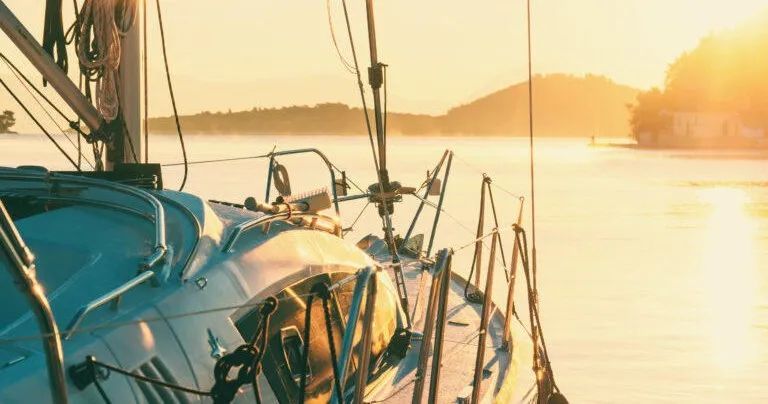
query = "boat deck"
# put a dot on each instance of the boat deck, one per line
(459, 349)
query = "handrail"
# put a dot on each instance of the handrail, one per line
(160, 248)
(100, 301)
(243, 227)
(302, 151)
(95, 203)
(510, 309)
(365, 278)
(476, 266)
(426, 341)
(484, 318)
(21, 268)
(365, 341)
(440, 319)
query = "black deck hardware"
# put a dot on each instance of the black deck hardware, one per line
(142, 175)
(400, 343)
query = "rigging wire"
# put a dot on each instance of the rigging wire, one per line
(130, 141)
(529, 264)
(26, 83)
(347, 65)
(481, 171)
(173, 97)
(359, 215)
(533, 304)
(93, 363)
(531, 148)
(465, 228)
(386, 83)
(39, 125)
(18, 72)
(362, 93)
(385, 217)
(222, 160)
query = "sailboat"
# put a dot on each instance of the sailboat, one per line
(118, 289)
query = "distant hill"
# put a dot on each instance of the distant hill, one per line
(565, 106)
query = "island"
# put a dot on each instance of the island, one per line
(565, 105)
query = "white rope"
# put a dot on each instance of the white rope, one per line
(99, 48)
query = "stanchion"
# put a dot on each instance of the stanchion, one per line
(483, 333)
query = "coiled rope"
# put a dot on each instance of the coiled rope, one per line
(247, 358)
(98, 49)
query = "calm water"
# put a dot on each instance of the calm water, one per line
(653, 265)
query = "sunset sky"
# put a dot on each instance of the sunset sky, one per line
(243, 53)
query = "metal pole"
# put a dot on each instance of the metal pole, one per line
(424, 199)
(437, 356)
(32, 50)
(440, 203)
(426, 341)
(320, 154)
(477, 261)
(345, 355)
(130, 77)
(375, 79)
(21, 268)
(496, 224)
(365, 343)
(512, 277)
(270, 170)
(483, 333)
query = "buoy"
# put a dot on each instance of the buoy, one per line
(281, 179)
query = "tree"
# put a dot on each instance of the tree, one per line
(725, 73)
(647, 115)
(7, 120)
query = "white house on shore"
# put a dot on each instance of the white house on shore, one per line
(702, 129)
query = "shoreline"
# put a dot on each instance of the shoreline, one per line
(720, 153)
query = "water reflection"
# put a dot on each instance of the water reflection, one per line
(731, 278)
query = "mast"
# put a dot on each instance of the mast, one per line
(376, 79)
(130, 86)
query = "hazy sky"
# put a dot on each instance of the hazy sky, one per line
(243, 53)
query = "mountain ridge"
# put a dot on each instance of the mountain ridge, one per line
(565, 105)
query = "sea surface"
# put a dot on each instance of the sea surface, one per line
(653, 265)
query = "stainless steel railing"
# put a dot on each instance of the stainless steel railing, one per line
(21, 269)
(158, 212)
(365, 291)
(442, 266)
(320, 154)
(332, 226)
(160, 252)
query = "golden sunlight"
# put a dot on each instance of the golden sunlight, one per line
(730, 277)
